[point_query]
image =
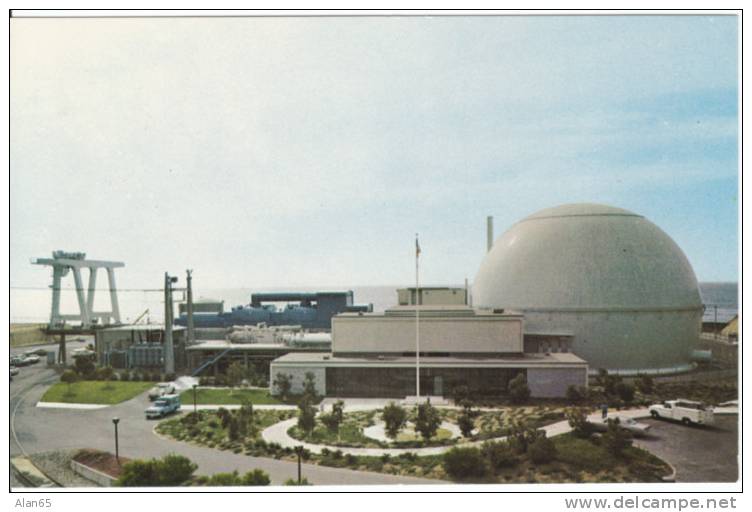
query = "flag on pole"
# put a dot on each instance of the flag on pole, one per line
(417, 247)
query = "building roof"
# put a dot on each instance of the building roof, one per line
(525, 360)
(441, 310)
(143, 327)
(586, 257)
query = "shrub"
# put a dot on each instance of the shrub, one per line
(170, 377)
(576, 394)
(645, 384)
(625, 391)
(498, 454)
(394, 418)
(462, 396)
(84, 367)
(309, 386)
(616, 439)
(464, 463)
(103, 373)
(577, 418)
(224, 479)
(542, 450)
(224, 417)
(69, 377)
(172, 470)
(427, 420)
(519, 392)
(307, 417)
(303, 481)
(466, 421)
(256, 477)
(282, 385)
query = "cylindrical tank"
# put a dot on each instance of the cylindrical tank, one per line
(611, 280)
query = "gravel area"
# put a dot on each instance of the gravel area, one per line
(56, 465)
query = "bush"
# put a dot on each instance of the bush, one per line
(256, 477)
(625, 391)
(172, 470)
(307, 417)
(498, 454)
(224, 479)
(616, 439)
(464, 463)
(577, 418)
(576, 394)
(303, 481)
(462, 396)
(282, 385)
(466, 421)
(69, 377)
(84, 367)
(542, 450)
(519, 392)
(103, 373)
(645, 384)
(394, 418)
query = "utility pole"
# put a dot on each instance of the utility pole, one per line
(189, 280)
(168, 345)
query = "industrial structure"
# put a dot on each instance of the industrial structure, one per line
(603, 281)
(373, 355)
(140, 347)
(309, 310)
(62, 263)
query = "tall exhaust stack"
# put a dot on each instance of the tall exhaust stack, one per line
(489, 233)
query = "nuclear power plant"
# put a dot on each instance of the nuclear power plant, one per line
(604, 282)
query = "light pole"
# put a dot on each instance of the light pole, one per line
(115, 421)
(299, 451)
(194, 397)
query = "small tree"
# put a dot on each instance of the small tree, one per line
(625, 391)
(309, 386)
(69, 377)
(519, 392)
(174, 470)
(283, 385)
(645, 384)
(333, 420)
(577, 418)
(616, 439)
(576, 394)
(462, 396)
(466, 421)
(307, 416)
(394, 418)
(84, 366)
(235, 375)
(427, 420)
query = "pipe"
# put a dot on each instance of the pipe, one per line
(489, 233)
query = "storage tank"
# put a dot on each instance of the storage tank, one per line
(609, 279)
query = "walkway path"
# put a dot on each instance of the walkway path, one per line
(277, 433)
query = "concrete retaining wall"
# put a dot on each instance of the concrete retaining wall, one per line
(102, 479)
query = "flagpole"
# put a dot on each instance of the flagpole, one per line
(417, 321)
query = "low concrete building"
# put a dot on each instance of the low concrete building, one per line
(432, 296)
(374, 355)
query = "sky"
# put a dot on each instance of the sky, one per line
(286, 152)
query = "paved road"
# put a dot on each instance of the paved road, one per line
(38, 430)
(699, 454)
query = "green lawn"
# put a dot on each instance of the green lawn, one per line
(222, 396)
(95, 392)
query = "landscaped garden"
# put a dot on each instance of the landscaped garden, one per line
(95, 392)
(229, 396)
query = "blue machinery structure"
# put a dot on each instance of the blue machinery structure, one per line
(311, 310)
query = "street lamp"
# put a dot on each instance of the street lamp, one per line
(115, 421)
(194, 397)
(299, 451)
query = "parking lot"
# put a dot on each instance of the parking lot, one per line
(699, 454)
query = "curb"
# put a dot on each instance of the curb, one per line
(32, 474)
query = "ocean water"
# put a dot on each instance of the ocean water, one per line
(34, 305)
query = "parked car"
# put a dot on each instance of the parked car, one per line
(36, 352)
(31, 359)
(160, 390)
(14, 371)
(686, 411)
(630, 424)
(163, 406)
(19, 361)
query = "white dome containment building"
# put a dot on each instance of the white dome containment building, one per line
(602, 282)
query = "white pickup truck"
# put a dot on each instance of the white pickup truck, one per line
(686, 411)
